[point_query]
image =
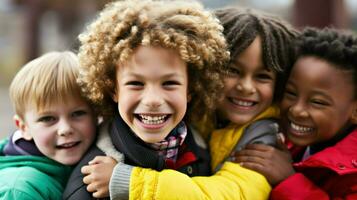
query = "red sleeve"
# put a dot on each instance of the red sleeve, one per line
(299, 187)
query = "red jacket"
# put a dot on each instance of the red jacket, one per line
(328, 174)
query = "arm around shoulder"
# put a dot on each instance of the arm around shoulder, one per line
(231, 182)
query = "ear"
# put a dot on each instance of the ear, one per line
(20, 124)
(354, 113)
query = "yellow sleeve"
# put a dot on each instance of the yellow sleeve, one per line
(231, 182)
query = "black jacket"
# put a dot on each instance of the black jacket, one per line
(137, 154)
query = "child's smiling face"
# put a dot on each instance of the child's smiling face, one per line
(249, 86)
(318, 102)
(62, 131)
(152, 92)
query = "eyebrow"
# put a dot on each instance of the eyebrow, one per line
(321, 93)
(169, 75)
(315, 92)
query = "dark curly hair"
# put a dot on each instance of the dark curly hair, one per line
(243, 25)
(336, 46)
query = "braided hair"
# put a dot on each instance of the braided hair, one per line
(242, 26)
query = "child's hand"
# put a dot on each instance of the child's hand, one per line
(97, 175)
(275, 164)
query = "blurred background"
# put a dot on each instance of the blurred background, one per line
(29, 28)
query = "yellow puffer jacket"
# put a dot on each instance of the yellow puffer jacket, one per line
(230, 182)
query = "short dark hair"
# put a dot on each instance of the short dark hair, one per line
(243, 25)
(335, 46)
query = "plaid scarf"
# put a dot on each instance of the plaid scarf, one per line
(169, 147)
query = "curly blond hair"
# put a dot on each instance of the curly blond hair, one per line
(184, 26)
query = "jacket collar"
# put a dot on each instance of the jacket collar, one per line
(341, 158)
(135, 150)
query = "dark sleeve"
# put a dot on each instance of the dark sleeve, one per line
(75, 188)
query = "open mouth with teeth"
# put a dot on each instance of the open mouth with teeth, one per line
(67, 145)
(242, 103)
(152, 119)
(300, 130)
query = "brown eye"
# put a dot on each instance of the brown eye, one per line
(264, 77)
(319, 102)
(134, 83)
(232, 71)
(290, 93)
(168, 83)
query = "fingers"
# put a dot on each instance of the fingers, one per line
(250, 153)
(259, 147)
(253, 166)
(99, 190)
(96, 191)
(97, 159)
(101, 194)
(249, 159)
(87, 169)
(91, 188)
(87, 180)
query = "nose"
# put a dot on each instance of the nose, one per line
(246, 86)
(153, 97)
(64, 128)
(298, 110)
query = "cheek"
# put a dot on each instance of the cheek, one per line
(126, 100)
(181, 95)
(268, 93)
(229, 84)
(44, 141)
(88, 128)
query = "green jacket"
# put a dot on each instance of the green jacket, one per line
(31, 177)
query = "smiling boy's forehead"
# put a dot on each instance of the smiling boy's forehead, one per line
(167, 56)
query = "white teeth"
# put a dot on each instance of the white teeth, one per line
(300, 128)
(147, 119)
(242, 103)
(67, 145)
